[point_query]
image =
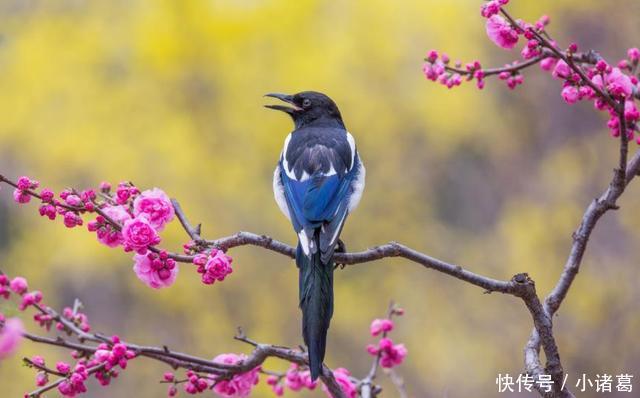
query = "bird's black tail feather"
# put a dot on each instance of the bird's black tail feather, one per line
(316, 303)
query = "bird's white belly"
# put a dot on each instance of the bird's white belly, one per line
(358, 188)
(278, 193)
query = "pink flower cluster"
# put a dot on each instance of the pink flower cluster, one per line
(619, 85)
(492, 7)
(139, 234)
(135, 220)
(295, 379)
(11, 331)
(21, 193)
(436, 68)
(101, 364)
(20, 287)
(156, 206)
(69, 206)
(130, 219)
(77, 318)
(116, 355)
(109, 234)
(343, 377)
(380, 326)
(74, 385)
(501, 32)
(586, 76)
(389, 354)
(240, 385)
(195, 384)
(155, 270)
(214, 266)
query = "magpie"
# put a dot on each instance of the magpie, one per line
(318, 181)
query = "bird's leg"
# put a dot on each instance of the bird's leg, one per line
(340, 248)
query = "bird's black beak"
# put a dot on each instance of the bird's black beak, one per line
(286, 98)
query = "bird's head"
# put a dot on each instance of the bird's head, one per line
(309, 108)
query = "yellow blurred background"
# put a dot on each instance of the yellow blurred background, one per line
(169, 94)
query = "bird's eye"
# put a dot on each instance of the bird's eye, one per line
(306, 103)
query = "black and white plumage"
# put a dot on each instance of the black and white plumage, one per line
(318, 181)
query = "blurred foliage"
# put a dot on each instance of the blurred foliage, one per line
(169, 94)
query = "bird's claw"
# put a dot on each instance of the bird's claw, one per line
(340, 248)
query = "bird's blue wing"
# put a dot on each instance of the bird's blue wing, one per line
(319, 202)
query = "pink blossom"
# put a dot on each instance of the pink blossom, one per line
(116, 355)
(105, 187)
(634, 54)
(614, 126)
(38, 360)
(561, 70)
(63, 367)
(107, 234)
(433, 71)
(239, 385)
(216, 267)
(118, 214)
(514, 81)
(72, 219)
(19, 285)
(623, 64)
(586, 92)
(21, 197)
(24, 183)
(48, 211)
(570, 94)
(490, 8)
(155, 271)
(432, 56)
(76, 317)
(30, 299)
(296, 380)
(195, 384)
(602, 66)
(543, 21)
(10, 337)
(631, 113)
(531, 50)
(74, 385)
(42, 378)
(381, 326)
(619, 84)
(597, 81)
(139, 234)
(342, 377)
(548, 63)
(4, 293)
(122, 193)
(156, 205)
(391, 355)
(501, 32)
(73, 200)
(47, 195)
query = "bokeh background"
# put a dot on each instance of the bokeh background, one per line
(169, 94)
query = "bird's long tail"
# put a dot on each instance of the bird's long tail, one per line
(316, 303)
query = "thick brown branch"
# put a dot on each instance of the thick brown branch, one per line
(607, 201)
